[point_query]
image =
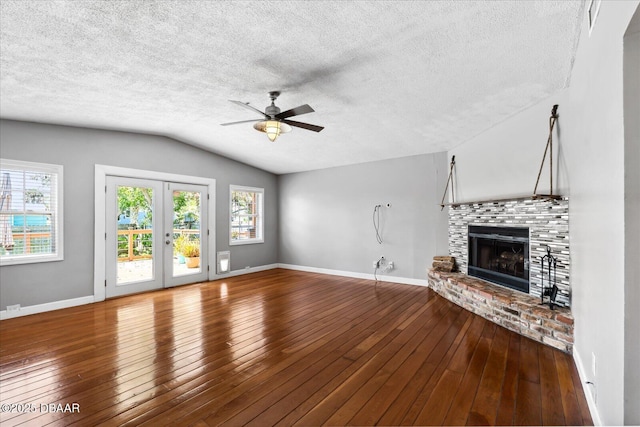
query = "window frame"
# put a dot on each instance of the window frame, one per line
(260, 215)
(57, 214)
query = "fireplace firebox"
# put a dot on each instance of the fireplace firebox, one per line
(500, 255)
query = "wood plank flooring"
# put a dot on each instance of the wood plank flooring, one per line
(282, 348)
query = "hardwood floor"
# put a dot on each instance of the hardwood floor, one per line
(280, 347)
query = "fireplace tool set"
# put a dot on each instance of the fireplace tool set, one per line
(551, 290)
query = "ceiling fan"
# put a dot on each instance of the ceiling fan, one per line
(275, 122)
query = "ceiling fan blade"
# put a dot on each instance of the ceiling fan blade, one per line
(250, 107)
(241, 121)
(303, 125)
(303, 109)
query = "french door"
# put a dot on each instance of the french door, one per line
(185, 234)
(156, 234)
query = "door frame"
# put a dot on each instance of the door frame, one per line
(100, 185)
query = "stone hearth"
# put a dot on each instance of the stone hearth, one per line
(511, 309)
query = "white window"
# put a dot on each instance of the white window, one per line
(30, 212)
(247, 217)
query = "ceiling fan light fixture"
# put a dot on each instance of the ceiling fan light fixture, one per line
(275, 121)
(273, 128)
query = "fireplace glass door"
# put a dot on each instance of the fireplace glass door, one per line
(500, 255)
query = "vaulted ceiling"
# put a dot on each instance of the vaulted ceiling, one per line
(386, 78)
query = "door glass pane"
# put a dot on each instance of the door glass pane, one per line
(135, 234)
(186, 232)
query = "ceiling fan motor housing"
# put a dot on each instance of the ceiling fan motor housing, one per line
(272, 110)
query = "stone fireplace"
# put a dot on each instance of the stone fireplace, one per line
(503, 242)
(547, 222)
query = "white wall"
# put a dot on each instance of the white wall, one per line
(590, 165)
(504, 161)
(594, 142)
(326, 216)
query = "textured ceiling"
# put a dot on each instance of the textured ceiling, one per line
(386, 78)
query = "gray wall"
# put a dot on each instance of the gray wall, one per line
(326, 216)
(632, 220)
(78, 150)
(590, 166)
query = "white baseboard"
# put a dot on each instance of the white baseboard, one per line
(41, 308)
(356, 275)
(245, 271)
(593, 409)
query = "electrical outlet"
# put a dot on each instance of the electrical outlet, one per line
(388, 266)
(14, 307)
(593, 364)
